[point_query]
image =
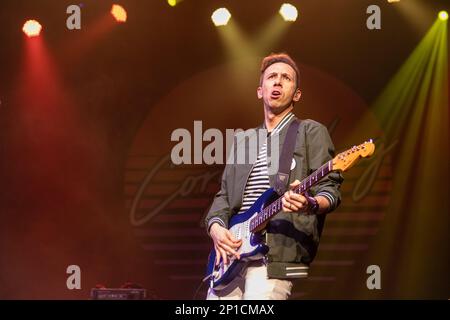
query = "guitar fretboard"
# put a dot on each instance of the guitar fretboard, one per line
(273, 208)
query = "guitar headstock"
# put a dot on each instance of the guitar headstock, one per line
(344, 160)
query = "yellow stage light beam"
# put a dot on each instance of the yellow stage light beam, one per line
(413, 111)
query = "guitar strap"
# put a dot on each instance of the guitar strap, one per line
(282, 177)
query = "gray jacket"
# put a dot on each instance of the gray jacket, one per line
(293, 239)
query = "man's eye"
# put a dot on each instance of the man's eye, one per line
(287, 78)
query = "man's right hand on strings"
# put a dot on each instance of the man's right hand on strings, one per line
(225, 243)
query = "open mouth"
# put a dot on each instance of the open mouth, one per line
(275, 94)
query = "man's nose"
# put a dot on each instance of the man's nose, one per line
(277, 81)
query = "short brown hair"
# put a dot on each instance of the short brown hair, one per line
(279, 57)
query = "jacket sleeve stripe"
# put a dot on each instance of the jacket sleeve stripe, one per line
(330, 197)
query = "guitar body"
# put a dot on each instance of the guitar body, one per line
(252, 247)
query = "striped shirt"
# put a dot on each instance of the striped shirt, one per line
(258, 180)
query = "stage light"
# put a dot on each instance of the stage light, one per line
(288, 12)
(220, 17)
(32, 28)
(392, 1)
(119, 13)
(172, 3)
(413, 112)
(443, 15)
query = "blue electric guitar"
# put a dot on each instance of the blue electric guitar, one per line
(247, 225)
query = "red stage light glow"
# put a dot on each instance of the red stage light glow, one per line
(32, 28)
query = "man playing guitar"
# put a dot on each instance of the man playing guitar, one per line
(292, 237)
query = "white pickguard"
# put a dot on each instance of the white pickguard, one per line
(241, 231)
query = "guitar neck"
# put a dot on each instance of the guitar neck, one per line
(272, 209)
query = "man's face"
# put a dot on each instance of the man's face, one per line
(279, 87)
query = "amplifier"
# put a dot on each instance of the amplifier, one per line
(118, 294)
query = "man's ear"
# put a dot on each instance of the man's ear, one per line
(297, 95)
(259, 92)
